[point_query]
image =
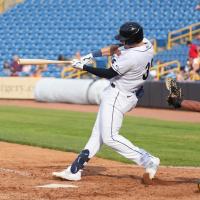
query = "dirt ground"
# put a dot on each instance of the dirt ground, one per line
(23, 168)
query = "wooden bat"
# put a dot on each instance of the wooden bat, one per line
(41, 62)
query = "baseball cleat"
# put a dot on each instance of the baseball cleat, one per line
(68, 175)
(151, 170)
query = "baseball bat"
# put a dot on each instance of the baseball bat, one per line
(41, 62)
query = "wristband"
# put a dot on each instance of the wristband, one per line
(97, 53)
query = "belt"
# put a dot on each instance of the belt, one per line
(137, 91)
(113, 85)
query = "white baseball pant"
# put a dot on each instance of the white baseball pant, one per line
(113, 106)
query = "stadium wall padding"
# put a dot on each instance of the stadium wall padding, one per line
(78, 91)
(85, 91)
(88, 91)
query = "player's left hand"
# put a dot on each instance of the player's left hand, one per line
(77, 64)
(87, 59)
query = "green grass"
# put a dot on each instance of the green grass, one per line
(175, 143)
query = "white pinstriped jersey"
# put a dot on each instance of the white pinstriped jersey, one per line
(132, 65)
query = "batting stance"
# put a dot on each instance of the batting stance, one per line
(127, 74)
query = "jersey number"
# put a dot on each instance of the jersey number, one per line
(148, 66)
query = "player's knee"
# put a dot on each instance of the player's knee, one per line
(80, 161)
(108, 141)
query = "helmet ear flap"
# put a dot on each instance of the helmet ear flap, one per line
(130, 42)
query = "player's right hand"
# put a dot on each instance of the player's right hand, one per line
(87, 59)
(77, 64)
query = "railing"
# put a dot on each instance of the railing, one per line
(70, 72)
(154, 43)
(160, 68)
(6, 4)
(183, 34)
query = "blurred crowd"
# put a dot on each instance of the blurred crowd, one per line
(13, 69)
(188, 72)
(193, 61)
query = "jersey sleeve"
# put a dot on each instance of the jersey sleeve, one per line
(121, 64)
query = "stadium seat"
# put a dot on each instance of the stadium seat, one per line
(51, 27)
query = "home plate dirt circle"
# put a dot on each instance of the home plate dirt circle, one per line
(55, 185)
(25, 167)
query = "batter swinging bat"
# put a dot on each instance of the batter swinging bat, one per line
(41, 62)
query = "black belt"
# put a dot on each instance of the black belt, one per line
(137, 91)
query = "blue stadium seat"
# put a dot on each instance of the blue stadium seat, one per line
(37, 27)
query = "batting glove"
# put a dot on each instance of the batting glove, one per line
(77, 64)
(87, 59)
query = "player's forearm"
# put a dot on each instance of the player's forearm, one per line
(106, 51)
(101, 72)
(190, 105)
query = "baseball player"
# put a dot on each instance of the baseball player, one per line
(127, 74)
(175, 97)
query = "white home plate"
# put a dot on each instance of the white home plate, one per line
(57, 186)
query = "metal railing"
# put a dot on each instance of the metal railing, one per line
(155, 46)
(70, 72)
(182, 35)
(161, 71)
(6, 4)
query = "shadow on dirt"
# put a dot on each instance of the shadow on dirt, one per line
(176, 181)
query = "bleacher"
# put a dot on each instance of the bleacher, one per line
(45, 29)
(179, 52)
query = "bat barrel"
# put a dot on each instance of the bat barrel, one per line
(41, 62)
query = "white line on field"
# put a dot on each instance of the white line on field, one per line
(54, 185)
(15, 172)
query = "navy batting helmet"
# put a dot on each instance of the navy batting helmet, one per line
(130, 33)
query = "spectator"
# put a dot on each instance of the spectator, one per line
(15, 67)
(39, 69)
(195, 72)
(198, 37)
(63, 58)
(78, 55)
(182, 75)
(193, 52)
(6, 68)
(26, 70)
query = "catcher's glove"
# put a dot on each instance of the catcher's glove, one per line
(175, 97)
